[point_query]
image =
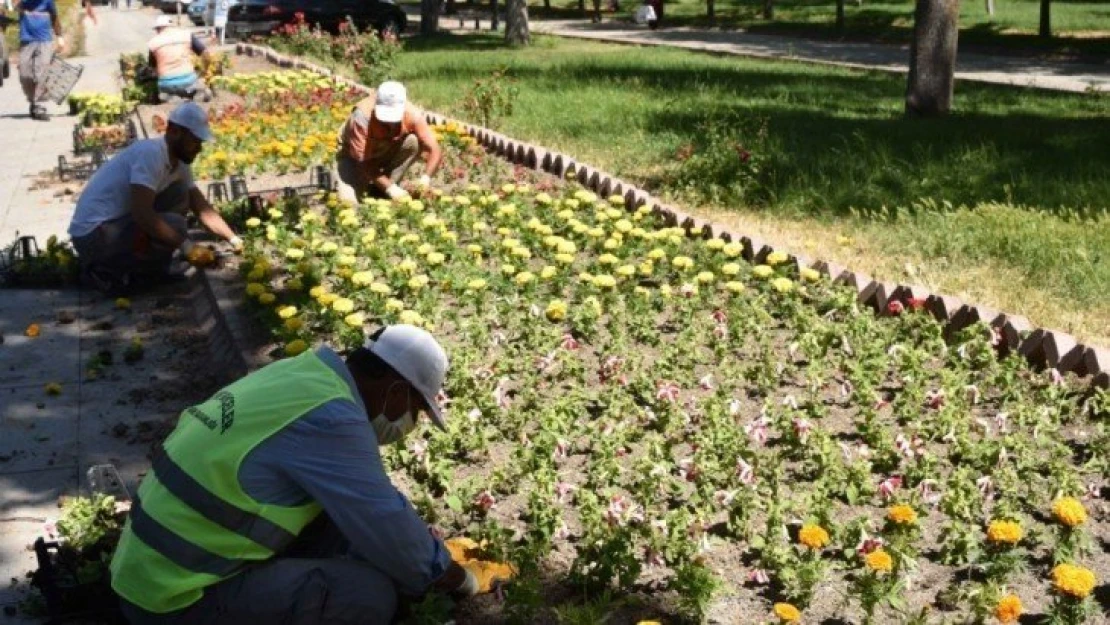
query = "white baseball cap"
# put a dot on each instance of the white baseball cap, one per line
(418, 358)
(390, 104)
(190, 116)
(163, 21)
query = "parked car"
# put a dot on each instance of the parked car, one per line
(260, 17)
(170, 6)
(197, 11)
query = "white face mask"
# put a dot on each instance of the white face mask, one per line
(390, 432)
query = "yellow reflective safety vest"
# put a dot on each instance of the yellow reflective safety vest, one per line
(191, 524)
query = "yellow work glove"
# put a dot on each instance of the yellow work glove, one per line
(486, 573)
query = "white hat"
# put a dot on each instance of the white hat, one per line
(191, 116)
(390, 104)
(163, 21)
(417, 357)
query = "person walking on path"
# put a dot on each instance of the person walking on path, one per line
(40, 33)
(170, 52)
(379, 141)
(130, 218)
(269, 503)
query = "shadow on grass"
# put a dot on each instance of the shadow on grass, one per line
(833, 141)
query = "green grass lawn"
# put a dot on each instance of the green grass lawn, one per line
(1081, 29)
(830, 152)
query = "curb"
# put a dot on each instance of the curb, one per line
(1042, 348)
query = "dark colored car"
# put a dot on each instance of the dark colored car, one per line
(259, 17)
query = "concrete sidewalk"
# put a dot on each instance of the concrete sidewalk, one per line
(973, 67)
(47, 442)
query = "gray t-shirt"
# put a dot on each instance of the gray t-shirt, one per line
(330, 455)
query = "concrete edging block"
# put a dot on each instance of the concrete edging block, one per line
(1062, 351)
(1096, 360)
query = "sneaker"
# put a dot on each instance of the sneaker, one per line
(106, 282)
(39, 113)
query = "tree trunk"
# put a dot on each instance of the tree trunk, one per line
(493, 15)
(516, 23)
(768, 9)
(990, 8)
(547, 4)
(1046, 18)
(933, 58)
(710, 9)
(582, 5)
(429, 17)
(451, 7)
(840, 15)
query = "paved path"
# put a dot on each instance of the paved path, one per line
(1004, 70)
(47, 443)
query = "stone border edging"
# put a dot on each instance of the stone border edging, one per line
(1040, 347)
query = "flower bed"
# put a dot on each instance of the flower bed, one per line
(637, 411)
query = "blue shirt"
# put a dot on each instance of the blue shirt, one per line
(330, 455)
(36, 20)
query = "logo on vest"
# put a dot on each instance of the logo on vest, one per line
(227, 413)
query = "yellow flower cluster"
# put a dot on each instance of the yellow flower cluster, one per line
(1073, 580)
(879, 561)
(1069, 512)
(787, 613)
(1008, 609)
(902, 514)
(813, 536)
(1004, 532)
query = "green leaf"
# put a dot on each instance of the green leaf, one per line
(454, 503)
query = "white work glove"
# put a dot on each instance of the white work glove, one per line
(424, 181)
(60, 41)
(236, 243)
(396, 193)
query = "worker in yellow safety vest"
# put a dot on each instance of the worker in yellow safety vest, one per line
(269, 502)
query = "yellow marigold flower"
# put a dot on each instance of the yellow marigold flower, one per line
(608, 259)
(346, 261)
(275, 213)
(294, 347)
(418, 282)
(286, 312)
(293, 324)
(566, 247)
(556, 310)
(435, 258)
(1073, 581)
(543, 198)
(1008, 609)
(1004, 532)
(843, 240)
(329, 247)
(879, 561)
(735, 286)
(362, 278)
(666, 291)
(355, 320)
(605, 281)
(1069, 511)
(254, 222)
(523, 278)
(813, 536)
(732, 250)
(508, 269)
(776, 258)
(380, 288)
(343, 305)
(623, 225)
(705, 277)
(267, 298)
(762, 271)
(782, 285)
(411, 317)
(715, 244)
(809, 275)
(392, 304)
(646, 268)
(476, 284)
(548, 272)
(326, 298)
(682, 262)
(255, 289)
(564, 259)
(474, 248)
(626, 271)
(902, 514)
(787, 613)
(729, 269)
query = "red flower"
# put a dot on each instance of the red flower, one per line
(894, 308)
(916, 303)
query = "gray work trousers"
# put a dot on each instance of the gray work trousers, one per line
(353, 185)
(313, 583)
(118, 250)
(34, 57)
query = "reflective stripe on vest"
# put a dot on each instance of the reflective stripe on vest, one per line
(180, 551)
(196, 496)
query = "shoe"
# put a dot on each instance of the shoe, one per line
(39, 113)
(111, 285)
